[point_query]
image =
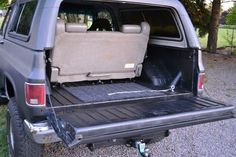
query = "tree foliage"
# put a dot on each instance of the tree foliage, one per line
(231, 17)
(199, 14)
(3, 4)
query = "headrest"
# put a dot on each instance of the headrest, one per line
(76, 28)
(145, 28)
(131, 29)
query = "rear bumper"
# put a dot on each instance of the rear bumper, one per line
(43, 133)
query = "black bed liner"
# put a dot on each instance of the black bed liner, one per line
(103, 114)
(133, 117)
(113, 91)
(63, 96)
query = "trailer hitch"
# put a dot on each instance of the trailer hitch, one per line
(141, 146)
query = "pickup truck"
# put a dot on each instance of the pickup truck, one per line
(100, 73)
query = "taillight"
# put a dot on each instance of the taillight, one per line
(201, 79)
(35, 94)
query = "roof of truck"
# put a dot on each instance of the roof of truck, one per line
(171, 3)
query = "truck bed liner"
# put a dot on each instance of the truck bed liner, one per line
(78, 95)
(115, 91)
(86, 116)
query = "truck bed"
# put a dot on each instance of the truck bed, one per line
(77, 94)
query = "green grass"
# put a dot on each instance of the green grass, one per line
(3, 138)
(222, 36)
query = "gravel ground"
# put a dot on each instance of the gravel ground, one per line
(210, 140)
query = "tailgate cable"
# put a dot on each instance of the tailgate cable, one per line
(171, 88)
(207, 92)
(64, 130)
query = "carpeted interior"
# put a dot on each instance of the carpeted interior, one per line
(108, 92)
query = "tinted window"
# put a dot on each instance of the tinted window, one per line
(16, 18)
(24, 17)
(162, 22)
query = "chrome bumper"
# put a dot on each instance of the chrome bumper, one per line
(41, 133)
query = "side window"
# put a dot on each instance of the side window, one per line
(160, 27)
(5, 21)
(16, 18)
(23, 18)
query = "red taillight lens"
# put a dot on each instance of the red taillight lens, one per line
(35, 94)
(201, 79)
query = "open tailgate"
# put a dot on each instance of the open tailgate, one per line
(96, 122)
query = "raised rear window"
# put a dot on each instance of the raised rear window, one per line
(162, 21)
(23, 18)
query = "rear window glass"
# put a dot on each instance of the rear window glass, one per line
(23, 18)
(162, 21)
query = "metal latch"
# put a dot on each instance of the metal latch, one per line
(175, 81)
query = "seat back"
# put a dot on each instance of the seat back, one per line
(81, 55)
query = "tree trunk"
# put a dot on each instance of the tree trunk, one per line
(214, 24)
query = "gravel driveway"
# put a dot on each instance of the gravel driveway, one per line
(212, 139)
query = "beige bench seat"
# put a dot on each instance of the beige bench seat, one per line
(81, 55)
